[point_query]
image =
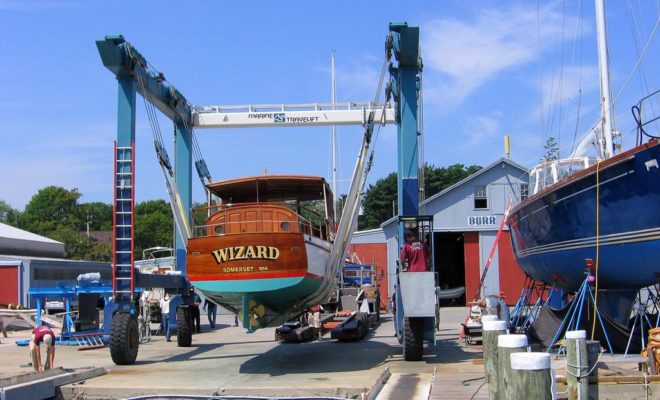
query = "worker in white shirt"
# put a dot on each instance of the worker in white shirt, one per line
(165, 313)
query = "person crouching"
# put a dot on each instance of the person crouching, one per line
(42, 334)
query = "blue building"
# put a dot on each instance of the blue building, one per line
(466, 218)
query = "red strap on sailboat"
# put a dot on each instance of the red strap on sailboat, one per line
(492, 251)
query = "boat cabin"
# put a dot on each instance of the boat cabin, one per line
(268, 204)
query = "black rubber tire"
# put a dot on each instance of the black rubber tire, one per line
(124, 339)
(184, 326)
(413, 343)
(377, 307)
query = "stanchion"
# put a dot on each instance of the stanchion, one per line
(491, 330)
(530, 376)
(577, 365)
(506, 345)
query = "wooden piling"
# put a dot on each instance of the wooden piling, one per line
(491, 330)
(577, 365)
(506, 345)
(530, 376)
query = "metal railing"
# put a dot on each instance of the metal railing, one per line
(294, 107)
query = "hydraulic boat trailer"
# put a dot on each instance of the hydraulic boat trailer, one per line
(359, 312)
(342, 325)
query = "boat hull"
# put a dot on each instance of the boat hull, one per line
(553, 232)
(264, 278)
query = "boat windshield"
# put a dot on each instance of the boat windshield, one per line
(548, 173)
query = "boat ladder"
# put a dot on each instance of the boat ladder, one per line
(89, 341)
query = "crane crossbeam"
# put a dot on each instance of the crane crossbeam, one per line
(281, 115)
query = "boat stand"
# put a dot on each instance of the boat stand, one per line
(642, 309)
(525, 311)
(574, 315)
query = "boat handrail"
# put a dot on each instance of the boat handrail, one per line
(548, 173)
(321, 230)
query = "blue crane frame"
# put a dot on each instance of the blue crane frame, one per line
(130, 67)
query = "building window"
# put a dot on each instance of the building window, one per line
(524, 191)
(480, 197)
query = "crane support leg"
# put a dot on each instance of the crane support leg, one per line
(123, 223)
(183, 181)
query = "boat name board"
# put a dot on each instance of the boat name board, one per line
(475, 220)
(245, 253)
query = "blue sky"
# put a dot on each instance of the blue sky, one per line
(482, 79)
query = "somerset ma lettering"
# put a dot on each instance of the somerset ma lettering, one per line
(282, 118)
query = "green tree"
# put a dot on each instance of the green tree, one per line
(8, 215)
(99, 216)
(380, 200)
(81, 247)
(550, 150)
(54, 212)
(50, 209)
(153, 225)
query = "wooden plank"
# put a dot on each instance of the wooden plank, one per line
(458, 386)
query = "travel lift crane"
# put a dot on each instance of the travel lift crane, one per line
(413, 319)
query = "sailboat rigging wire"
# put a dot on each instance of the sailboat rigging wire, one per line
(634, 28)
(560, 82)
(580, 19)
(540, 69)
(639, 61)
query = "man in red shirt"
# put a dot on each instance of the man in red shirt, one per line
(43, 334)
(414, 254)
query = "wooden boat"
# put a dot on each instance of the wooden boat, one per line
(264, 248)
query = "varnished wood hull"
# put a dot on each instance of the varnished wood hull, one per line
(264, 278)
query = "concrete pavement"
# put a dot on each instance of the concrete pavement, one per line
(229, 361)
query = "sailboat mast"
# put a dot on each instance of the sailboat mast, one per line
(604, 71)
(334, 142)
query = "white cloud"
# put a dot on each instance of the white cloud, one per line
(463, 55)
(565, 91)
(481, 129)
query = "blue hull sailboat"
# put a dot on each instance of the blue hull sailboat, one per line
(605, 209)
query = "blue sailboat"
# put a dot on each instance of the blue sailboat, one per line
(605, 209)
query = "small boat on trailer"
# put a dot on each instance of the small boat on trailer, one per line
(264, 248)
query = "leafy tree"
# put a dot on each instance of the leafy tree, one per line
(378, 202)
(8, 215)
(54, 212)
(51, 208)
(381, 197)
(81, 247)
(99, 216)
(154, 225)
(550, 150)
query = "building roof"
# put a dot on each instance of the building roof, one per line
(270, 187)
(14, 241)
(466, 180)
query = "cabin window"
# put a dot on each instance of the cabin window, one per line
(284, 226)
(524, 191)
(480, 197)
(219, 230)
